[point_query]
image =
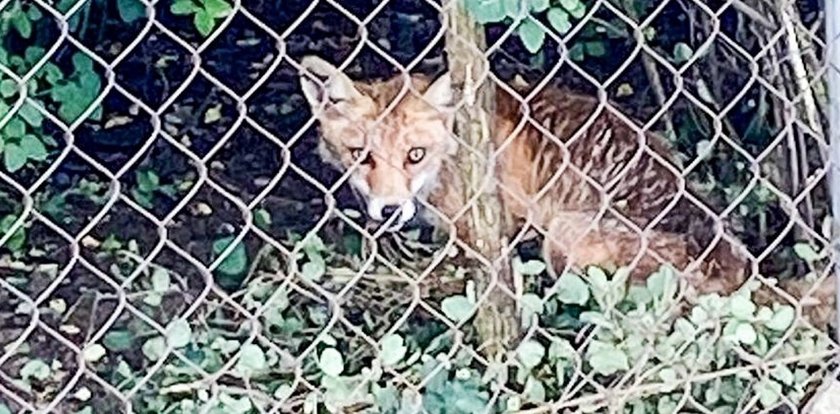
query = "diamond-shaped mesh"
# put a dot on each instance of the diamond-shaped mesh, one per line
(179, 237)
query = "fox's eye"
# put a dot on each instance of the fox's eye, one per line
(416, 155)
(357, 153)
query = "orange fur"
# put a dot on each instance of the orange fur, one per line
(564, 160)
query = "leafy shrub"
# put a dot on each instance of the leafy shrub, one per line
(68, 92)
(636, 333)
(204, 12)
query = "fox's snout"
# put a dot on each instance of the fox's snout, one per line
(396, 214)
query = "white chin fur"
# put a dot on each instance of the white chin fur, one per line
(407, 211)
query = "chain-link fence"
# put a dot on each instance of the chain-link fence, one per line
(408, 206)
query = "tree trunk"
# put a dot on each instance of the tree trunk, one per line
(482, 226)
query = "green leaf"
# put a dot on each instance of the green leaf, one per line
(35, 368)
(203, 22)
(82, 63)
(806, 252)
(668, 375)
(331, 362)
(595, 48)
(393, 350)
(530, 353)
(8, 87)
(531, 305)
(577, 52)
(745, 333)
(512, 8)
(52, 73)
(118, 340)
(532, 35)
(662, 284)
(160, 280)
(131, 10)
(31, 115)
(34, 13)
(178, 333)
(283, 392)
(94, 353)
(606, 359)
(89, 83)
(742, 307)
(262, 218)
(559, 20)
(572, 289)
(70, 110)
(147, 181)
(782, 319)
(213, 114)
(458, 308)
(538, 6)
(768, 392)
(252, 360)
(486, 11)
(682, 52)
(183, 7)
(16, 242)
(142, 198)
(314, 269)
(14, 157)
(33, 147)
(575, 7)
(597, 318)
(217, 8)
(14, 129)
(534, 390)
(154, 348)
(22, 24)
(34, 54)
(236, 262)
(529, 268)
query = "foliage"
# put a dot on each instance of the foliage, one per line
(204, 12)
(278, 321)
(68, 91)
(560, 15)
(714, 335)
(149, 186)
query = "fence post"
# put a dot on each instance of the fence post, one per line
(481, 226)
(832, 40)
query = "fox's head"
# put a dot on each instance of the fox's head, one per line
(391, 138)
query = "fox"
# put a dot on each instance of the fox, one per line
(601, 191)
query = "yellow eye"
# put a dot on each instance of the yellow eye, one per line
(416, 155)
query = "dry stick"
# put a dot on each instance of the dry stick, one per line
(658, 91)
(655, 81)
(798, 150)
(803, 89)
(496, 321)
(800, 74)
(753, 14)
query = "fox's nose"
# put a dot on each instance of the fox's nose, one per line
(389, 211)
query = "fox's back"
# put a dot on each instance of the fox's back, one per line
(564, 152)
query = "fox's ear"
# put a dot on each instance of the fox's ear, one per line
(321, 81)
(440, 93)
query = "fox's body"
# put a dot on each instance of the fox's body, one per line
(602, 192)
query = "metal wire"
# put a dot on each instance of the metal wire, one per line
(799, 106)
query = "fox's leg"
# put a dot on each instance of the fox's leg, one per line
(571, 241)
